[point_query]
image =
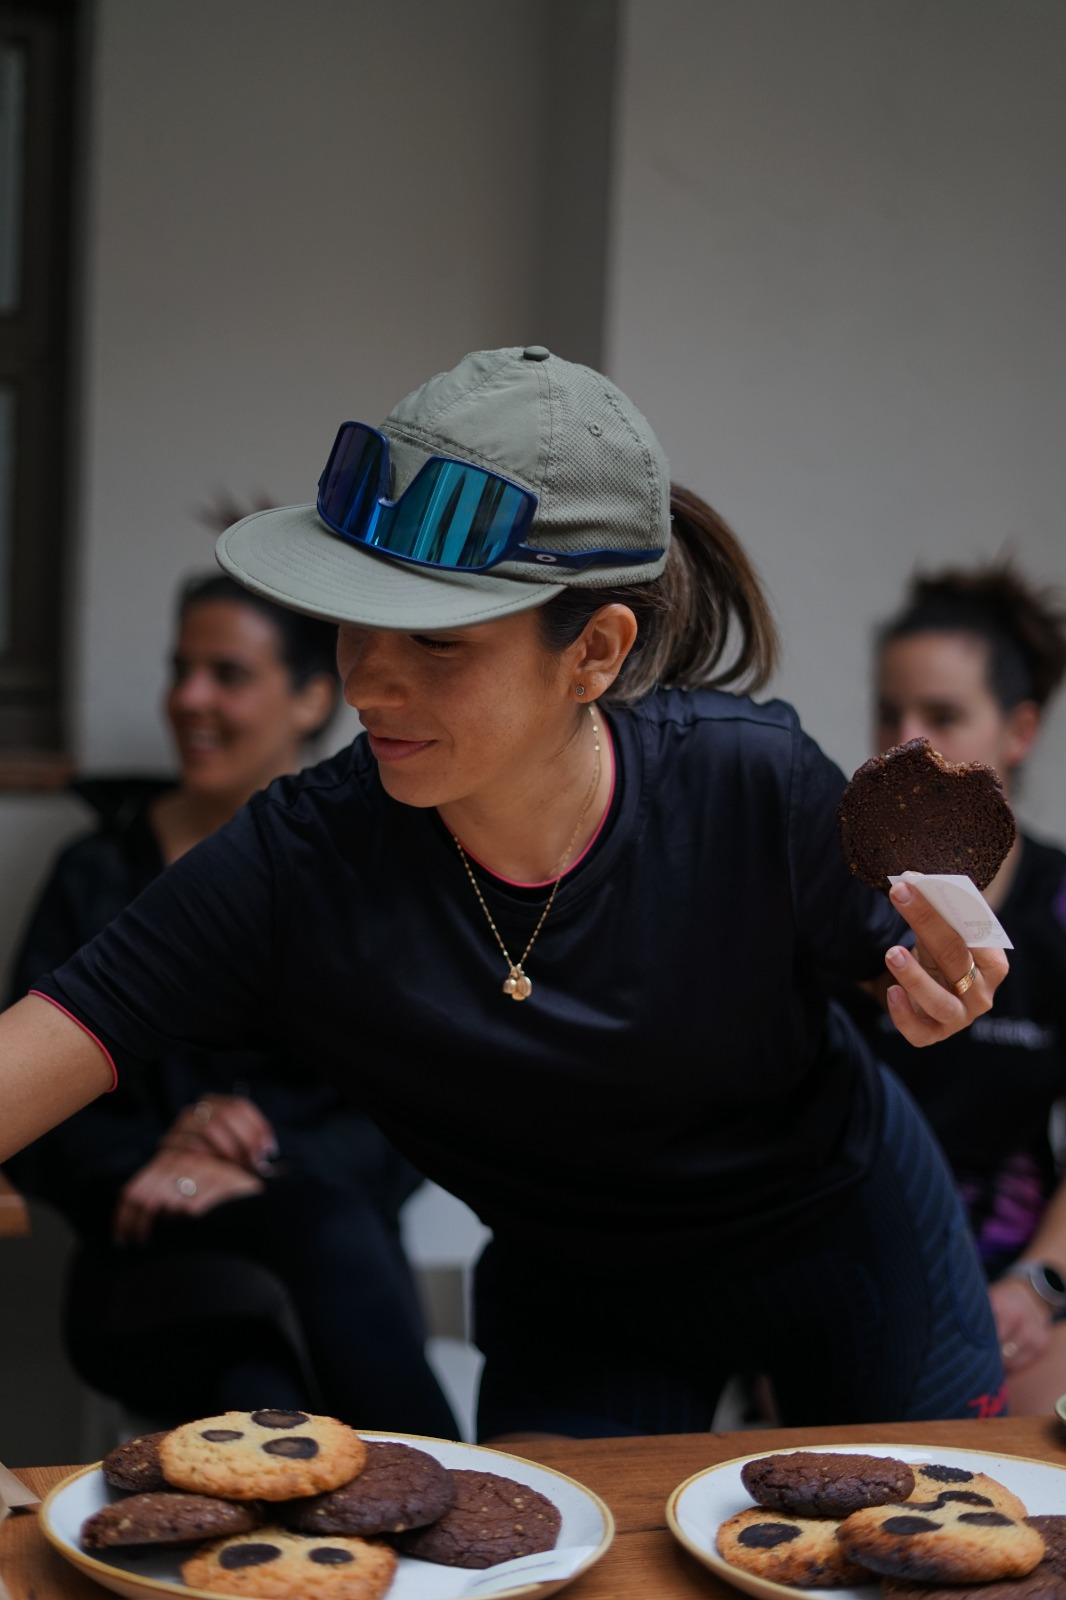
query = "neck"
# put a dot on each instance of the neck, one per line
(535, 834)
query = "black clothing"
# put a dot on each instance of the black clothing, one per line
(676, 1096)
(886, 1287)
(336, 1172)
(988, 1092)
(328, 918)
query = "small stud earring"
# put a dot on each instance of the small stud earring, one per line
(580, 689)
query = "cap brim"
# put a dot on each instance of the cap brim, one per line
(288, 555)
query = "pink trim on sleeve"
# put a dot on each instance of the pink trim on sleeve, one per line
(84, 1029)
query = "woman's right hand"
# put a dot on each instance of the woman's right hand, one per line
(179, 1181)
(225, 1125)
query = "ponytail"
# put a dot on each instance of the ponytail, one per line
(704, 623)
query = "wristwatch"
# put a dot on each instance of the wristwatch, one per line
(1048, 1282)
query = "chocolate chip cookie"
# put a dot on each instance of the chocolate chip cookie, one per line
(803, 1551)
(273, 1564)
(262, 1455)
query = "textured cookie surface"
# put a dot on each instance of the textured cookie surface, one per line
(951, 1544)
(399, 1487)
(909, 810)
(491, 1519)
(1052, 1529)
(813, 1483)
(937, 1485)
(273, 1564)
(1043, 1583)
(803, 1551)
(262, 1455)
(165, 1518)
(134, 1466)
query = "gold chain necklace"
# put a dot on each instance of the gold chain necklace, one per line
(516, 984)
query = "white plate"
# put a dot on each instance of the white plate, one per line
(587, 1530)
(699, 1506)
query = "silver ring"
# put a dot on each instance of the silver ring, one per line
(967, 979)
(203, 1111)
(186, 1187)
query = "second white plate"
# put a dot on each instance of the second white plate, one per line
(699, 1506)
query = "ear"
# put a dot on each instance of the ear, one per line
(1023, 727)
(596, 657)
(315, 703)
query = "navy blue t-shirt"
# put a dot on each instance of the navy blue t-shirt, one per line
(676, 1082)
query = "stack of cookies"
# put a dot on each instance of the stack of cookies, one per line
(826, 1520)
(287, 1504)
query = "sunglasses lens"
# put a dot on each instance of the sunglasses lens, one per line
(353, 479)
(453, 516)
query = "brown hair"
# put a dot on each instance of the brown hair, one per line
(1022, 627)
(707, 608)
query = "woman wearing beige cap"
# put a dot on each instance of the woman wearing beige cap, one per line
(556, 920)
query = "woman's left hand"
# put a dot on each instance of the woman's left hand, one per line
(1023, 1326)
(929, 998)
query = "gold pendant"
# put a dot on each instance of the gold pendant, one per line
(517, 985)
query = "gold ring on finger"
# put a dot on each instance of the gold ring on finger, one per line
(965, 982)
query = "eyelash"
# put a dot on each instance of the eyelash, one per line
(435, 647)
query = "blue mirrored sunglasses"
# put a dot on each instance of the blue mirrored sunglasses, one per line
(452, 515)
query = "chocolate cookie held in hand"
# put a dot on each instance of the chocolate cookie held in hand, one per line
(909, 810)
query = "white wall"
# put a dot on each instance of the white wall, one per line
(837, 267)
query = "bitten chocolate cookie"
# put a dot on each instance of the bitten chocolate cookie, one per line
(398, 1488)
(492, 1519)
(262, 1455)
(1043, 1583)
(134, 1466)
(937, 1485)
(909, 810)
(273, 1564)
(952, 1544)
(166, 1518)
(803, 1551)
(814, 1483)
(1052, 1529)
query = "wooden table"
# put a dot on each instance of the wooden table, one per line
(634, 1476)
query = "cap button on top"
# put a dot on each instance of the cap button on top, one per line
(535, 352)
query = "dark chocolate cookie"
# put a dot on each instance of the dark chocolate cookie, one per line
(1043, 1583)
(815, 1483)
(399, 1488)
(1052, 1529)
(909, 810)
(166, 1518)
(134, 1466)
(492, 1519)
